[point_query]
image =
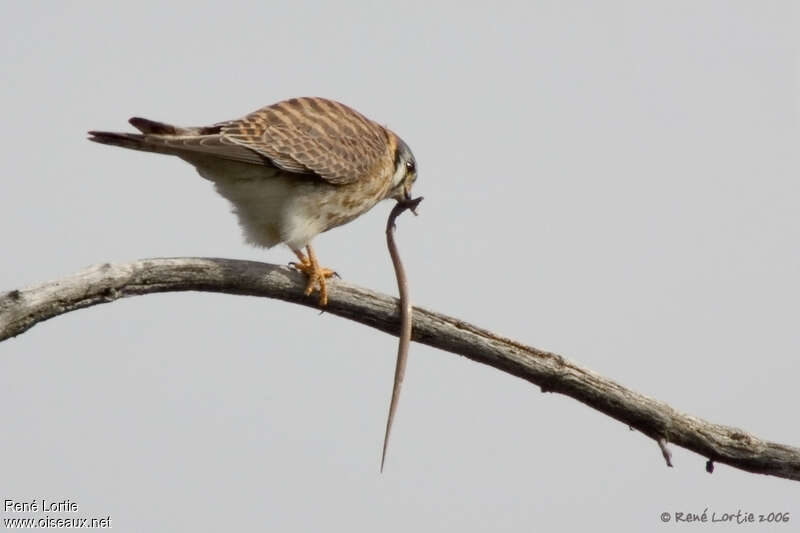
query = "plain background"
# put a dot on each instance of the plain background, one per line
(613, 181)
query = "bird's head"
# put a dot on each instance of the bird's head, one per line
(405, 172)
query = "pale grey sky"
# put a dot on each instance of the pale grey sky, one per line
(615, 181)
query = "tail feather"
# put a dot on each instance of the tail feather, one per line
(133, 141)
(186, 143)
(154, 127)
(136, 141)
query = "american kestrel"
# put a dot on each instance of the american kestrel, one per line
(291, 170)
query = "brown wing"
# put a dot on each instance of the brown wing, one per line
(311, 135)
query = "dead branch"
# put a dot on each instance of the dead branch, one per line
(21, 309)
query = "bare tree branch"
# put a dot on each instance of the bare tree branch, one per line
(23, 308)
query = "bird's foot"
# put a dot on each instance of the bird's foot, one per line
(317, 275)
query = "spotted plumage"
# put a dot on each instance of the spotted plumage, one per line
(292, 170)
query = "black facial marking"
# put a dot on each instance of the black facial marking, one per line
(398, 159)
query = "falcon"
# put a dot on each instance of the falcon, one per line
(292, 170)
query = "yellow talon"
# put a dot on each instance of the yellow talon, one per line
(316, 274)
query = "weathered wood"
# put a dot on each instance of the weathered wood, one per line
(21, 309)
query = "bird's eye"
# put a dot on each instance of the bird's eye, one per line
(410, 166)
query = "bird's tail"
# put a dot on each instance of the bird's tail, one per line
(134, 141)
(152, 138)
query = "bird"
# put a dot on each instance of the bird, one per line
(291, 170)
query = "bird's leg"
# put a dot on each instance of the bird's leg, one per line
(309, 266)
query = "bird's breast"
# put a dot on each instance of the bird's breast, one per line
(277, 207)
